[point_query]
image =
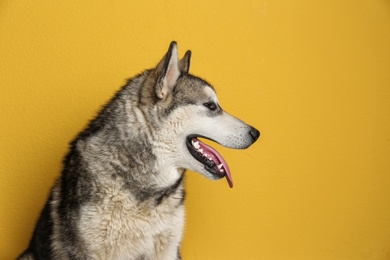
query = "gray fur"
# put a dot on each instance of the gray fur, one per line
(121, 192)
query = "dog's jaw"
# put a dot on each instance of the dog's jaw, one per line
(213, 162)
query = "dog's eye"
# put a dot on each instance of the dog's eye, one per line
(210, 105)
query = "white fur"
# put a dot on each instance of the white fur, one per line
(224, 129)
(120, 228)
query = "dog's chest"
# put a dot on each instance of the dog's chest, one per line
(120, 225)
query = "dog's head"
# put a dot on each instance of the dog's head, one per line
(191, 111)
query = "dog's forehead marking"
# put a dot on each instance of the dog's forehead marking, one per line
(211, 93)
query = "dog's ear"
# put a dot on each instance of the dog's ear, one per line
(184, 63)
(168, 71)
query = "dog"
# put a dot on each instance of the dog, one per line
(121, 191)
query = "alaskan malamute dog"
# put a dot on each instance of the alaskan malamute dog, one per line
(121, 192)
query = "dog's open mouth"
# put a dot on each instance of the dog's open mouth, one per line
(213, 162)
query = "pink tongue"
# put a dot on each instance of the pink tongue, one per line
(217, 158)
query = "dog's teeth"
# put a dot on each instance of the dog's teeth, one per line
(220, 166)
(196, 144)
(201, 151)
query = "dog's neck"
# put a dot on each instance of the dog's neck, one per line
(109, 151)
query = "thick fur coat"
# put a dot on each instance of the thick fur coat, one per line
(121, 192)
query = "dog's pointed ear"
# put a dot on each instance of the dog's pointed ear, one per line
(184, 63)
(168, 71)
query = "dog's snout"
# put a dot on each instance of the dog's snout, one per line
(255, 134)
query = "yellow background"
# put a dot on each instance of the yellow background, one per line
(313, 76)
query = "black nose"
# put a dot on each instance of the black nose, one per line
(254, 133)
